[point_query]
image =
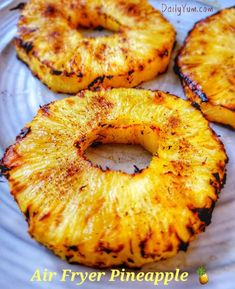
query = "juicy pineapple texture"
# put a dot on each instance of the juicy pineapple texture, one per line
(50, 43)
(101, 217)
(206, 66)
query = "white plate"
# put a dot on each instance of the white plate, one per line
(20, 97)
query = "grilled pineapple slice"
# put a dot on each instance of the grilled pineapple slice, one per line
(105, 218)
(50, 42)
(206, 66)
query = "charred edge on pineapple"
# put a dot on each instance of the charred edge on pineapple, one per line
(142, 246)
(75, 248)
(27, 213)
(27, 46)
(68, 257)
(163, 53)
(190, 230)
(221, 166)
(219, 184)
(38, 77)
(4, 171)
(183, 246)
(96, 82)
(224, 180)
(23, 133)
(191, 84)
(10, 152)
(176, 67)
(217, 177)
(20, 6)
(204, 214)
(77, 145)
(196, 105)
(94, 85)
(45, 109)
(124, 265)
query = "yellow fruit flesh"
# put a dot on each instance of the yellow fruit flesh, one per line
(215, 113)
(106, 218)
(50, 42)
(206, 65)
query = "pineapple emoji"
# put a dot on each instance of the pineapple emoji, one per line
(203, 277)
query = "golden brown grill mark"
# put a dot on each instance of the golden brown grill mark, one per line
(106, 248)
(173, 122)
(50, 11)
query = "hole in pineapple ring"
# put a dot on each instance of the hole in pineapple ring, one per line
(119, 157)
(127, 148)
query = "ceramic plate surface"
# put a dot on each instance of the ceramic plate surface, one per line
(20, 97)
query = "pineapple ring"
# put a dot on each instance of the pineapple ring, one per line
(106, 218)
(206, 66)
(50, 43)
